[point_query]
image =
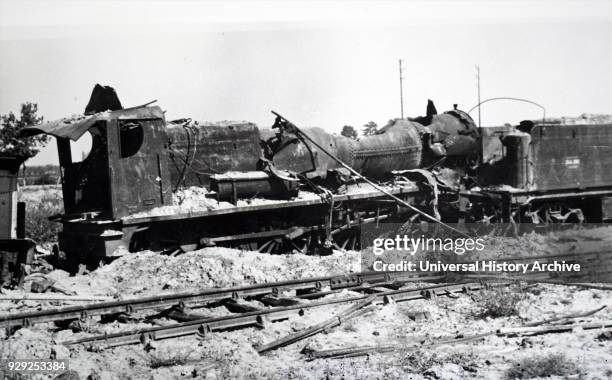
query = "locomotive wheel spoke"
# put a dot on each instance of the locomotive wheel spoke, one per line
(307, 244)
(296, 247)
(176, 237)
(273, 247)
(353, 242)
(263, 248)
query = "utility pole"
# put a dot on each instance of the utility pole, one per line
(480, 141)
(478, 86)
(401, 80)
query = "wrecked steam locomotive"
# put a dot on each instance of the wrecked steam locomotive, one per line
(152, 184)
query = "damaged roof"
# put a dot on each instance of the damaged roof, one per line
(74, 127)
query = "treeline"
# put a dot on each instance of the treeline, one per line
(40, 175)
(368, 129)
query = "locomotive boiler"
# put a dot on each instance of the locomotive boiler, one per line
(209, 154)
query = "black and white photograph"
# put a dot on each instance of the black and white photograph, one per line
(298, 189)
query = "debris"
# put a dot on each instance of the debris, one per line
(60, 289)
(271, 300)
(41, 285)
(564, 317)
(520, 331)
(509, 332)
(239, 306)
(332, 322)
(606, 335)
(180, 313)
(68, 375)
(119, 317)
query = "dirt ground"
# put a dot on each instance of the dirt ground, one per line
(230, 354)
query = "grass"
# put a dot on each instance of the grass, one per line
(168, 358)
(41, 203)
(555, 364)
(500, 302)
(422, 361)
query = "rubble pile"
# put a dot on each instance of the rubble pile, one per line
(149, 273)
(197, 199)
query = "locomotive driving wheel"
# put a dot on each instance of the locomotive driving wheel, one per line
(349, 239)
(297, 241)
(561, 213)
(550, 216)
(175, 238)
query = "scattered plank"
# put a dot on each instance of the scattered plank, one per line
(509, 332)
(565, 317)
(310, 331)
(539, 330)
(367, 350)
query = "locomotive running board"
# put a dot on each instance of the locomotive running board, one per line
(129, 221)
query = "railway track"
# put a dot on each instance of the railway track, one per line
(261, 317)
(385, 286)
(310, 287)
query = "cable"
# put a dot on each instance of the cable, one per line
(377, 187)
(515, 99)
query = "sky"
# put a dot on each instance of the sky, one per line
(324, 64)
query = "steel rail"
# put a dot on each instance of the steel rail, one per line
(334, 283)
(207, 296)
(261, 317)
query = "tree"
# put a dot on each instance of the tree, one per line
(369, 128)
(349, 131)
(21, 147)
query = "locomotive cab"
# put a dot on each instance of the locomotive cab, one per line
(126, 170)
